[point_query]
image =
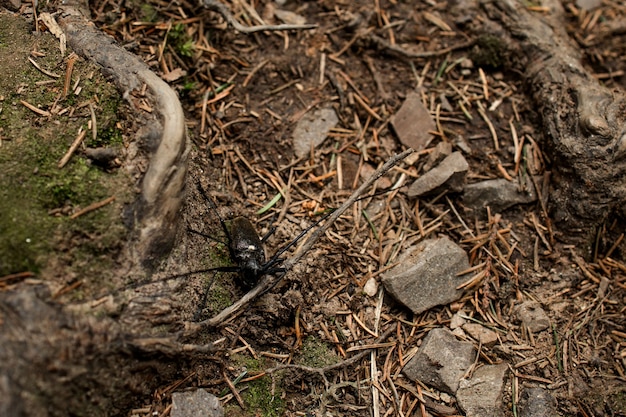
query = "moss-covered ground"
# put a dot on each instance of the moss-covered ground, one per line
(37, 198)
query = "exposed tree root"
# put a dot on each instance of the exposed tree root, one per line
(583, 120)
(163, 183)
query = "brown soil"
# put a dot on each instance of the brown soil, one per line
(243, 95)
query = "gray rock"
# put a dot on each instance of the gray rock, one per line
(426, 275)
(485, 336)
(498, 194)
(413, 122)
(449, 174)
(196, 403)
(13, 5)
(588, 4)
(481, 395)
(532, 316)
(458, 320)
(289, 18)
(312, 129)
(441, 361)
(441, 151)
(537, 402)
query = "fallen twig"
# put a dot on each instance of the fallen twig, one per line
(72, 149)
(269, 281)
(384, 44)
(92, 207)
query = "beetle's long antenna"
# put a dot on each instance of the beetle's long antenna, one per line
(214, 208)
(268, 281)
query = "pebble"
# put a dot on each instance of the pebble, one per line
(371, 287)
(441, 361)
(485, 336)
(498, 194)
(312, 130)
(481, 395)
(532, 316)
(196, 403)
(427, 275)
(448, 175)
(413, 122)
(537, 402)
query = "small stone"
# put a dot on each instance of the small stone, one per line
(458, 320)
(371, 287)
(413, 122)
(588, 4)
(481, 395)
(462, 144)
(441, 151)
(441, 361)
(532, 316)
(289, 18)
(467, 63)
(427, 275)
(537, 402)
(445, 398)
(498, 194)
(448, 175)
(458, 332)
(485, 336)
(312, 130)
(13, 5)
(196, 403)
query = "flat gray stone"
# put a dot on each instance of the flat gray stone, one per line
(485, 336)
(498, 194)
(413, 122)
(312, 129)
(426, 275)
(588, 4)
(196, 403)
(532, 316)
(481, 395)
(441, 361)
(289, 18)
(449, 175)
(537, 402)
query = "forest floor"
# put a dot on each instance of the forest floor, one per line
(243, 95)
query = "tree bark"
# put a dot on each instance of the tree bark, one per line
(583, 121)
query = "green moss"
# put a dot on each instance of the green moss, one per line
(259, 398)
(219, 296)
(317, 353)
(489, 52)
(36, 197)
(262, 401)
(148, 12)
